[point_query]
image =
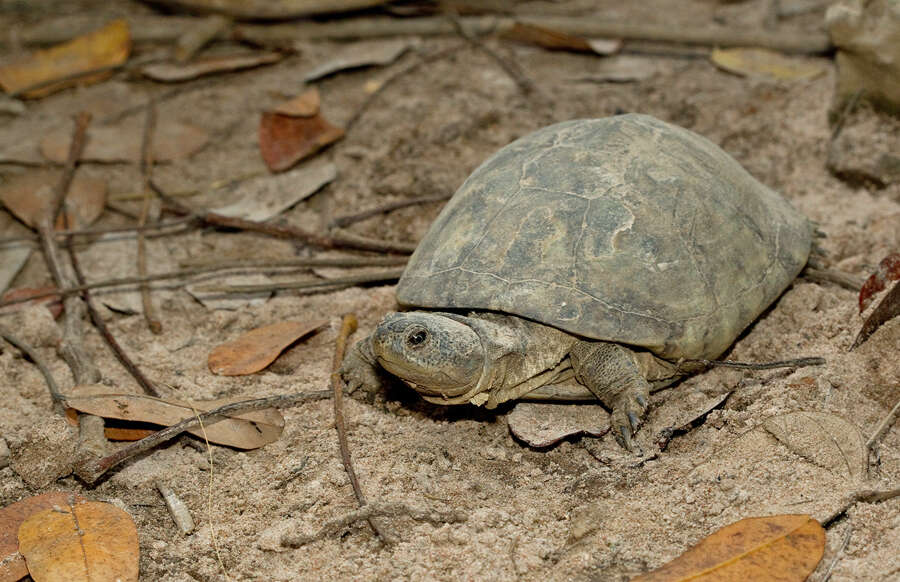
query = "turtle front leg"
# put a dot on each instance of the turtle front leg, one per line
(360, 369)
(610, 371)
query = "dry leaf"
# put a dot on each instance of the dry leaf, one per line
(171, 141)
(176, 72)
(258, 348)
(284, 140)
(12, 564)
(247, 430)
(556, 40)
(28, 196)
(827, 440)
(305, 104)
(268, 196)
(759, 62)
(86, 541)
(541, 425)
(888, 270)
(360, 54)
(105, 48)
(778, 548)
(52, 302)
(231, 301)
(888, 309)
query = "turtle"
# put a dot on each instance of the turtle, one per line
(593, 258)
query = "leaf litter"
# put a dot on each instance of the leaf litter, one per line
(256, 349)
(285, 140)
(29, 195)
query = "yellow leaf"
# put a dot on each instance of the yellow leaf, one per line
(89, 55)
(765, 63)
(777, 548)
(80, 542)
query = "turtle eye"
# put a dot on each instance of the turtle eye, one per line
(416, 337)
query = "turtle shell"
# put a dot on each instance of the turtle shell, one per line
(623, 229)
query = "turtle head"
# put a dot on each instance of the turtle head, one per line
(436, 354)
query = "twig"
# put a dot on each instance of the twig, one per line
(180, 513)
(845, 280)
(386, 275)
(84, 371)
(883, 426)
(349, 261)
(837, 554)
(372, 510)
(146, 162)
(348, 326)
(796, 363)
(348, 219)
(845, 112)
(145, 383)
(90, 471)
(101, 230)
(282, 230)
(863, 496)
(32, 354)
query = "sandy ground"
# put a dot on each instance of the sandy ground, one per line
(581, 510)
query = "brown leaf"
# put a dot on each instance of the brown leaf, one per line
(259, 347)
(305, 104)
(888, 270)
(28, 196)
(284, 140)
(12, 564)
(247, 430)
(171, 141)
(85, 541)
(104, 48)
(360, 54)
(888, 309)
(760, 62)
(176, 72)
(542, 424)
(827, 440)
(782, 548)
(556, 40)
(53, 302)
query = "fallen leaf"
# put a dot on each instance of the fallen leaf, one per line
(258, 348)
(284, 140)
(246, 430)
(360, 54)
(759, 62)
(231, 301)
(118, 433)
(12, 564)
(171, 141)
(85, 541)
(305, 104)
(888, 309)
(620, 69)
(778, 548)
(176, 72)
(52, 302)
(268, 196)
(29, 195)
(541, 425)
(12, 259)
(824, 439)
(74, 62)
(888, 270)
(557, 40)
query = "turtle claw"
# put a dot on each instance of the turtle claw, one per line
(627, 417)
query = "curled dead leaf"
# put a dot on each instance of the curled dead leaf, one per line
(82, 541)
(177, 72)
(29, 195)
(760, 62)
(557, 40)
(888, 309)
(360, 54)
(89, 58)
(258, 348)
(778, 548)
(12, 564)
(827, 440)
(888, 270)
(285, 140)
(247, 430)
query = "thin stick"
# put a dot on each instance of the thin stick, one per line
(79, 139)
(162, 225)
(146, 175)
(32, 354)
(386, 275)
(348, 326)
(796, 363)
(845, 280)
(348, 219)
(348, 261)
(145, 383)
(837, 554)
(90, 471)
(512, 69)
(863, 496)
(282, 230)
(883, 426)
